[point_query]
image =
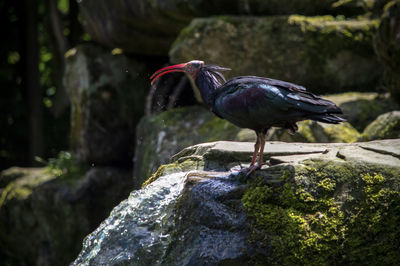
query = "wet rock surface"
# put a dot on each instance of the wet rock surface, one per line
(162, 135)
(198, 209)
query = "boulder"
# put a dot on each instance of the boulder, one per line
(323, 53)
(360, 109)
(150, 27)
(162, 135)
(46, 212)
(309, 131)
(315, 204)
(106, 91)
(312, 131)
(359, 7)
(386, 126)
(137, 26)
(387, 46)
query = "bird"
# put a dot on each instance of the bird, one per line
(256, 103)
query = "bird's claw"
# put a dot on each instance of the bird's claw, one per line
(252, 168)
(248, 171)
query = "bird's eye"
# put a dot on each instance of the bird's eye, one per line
(195, 64)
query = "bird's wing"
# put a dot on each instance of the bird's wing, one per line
(269, 81)
(254, 102)
(291, 93)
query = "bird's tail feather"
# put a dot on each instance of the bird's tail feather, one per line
(327, 118)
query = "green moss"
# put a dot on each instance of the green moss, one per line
(308, 221)
(305, 130)
(342, 133)
(301, 228)
(65, 166)
(23, 186)
(175, 167)
(328, 42)
(372, 228)
(386, 126)
(216, 129)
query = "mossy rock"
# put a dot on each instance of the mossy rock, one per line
(139, 26)
(46, 212)
(324, 212)
(323, 53)
(360, 109)
(162, 135)
(386, 126)
(106, 91)
(315, 204)
(18, 183)
(387, 46)
(311, 131)
(359, 7)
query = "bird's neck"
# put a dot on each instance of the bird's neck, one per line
(207, 83)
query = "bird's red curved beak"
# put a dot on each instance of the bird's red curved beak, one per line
(168, 69)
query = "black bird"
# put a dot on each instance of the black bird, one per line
(253, 102)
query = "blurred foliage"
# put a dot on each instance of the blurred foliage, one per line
(64, 165)
(14, 135)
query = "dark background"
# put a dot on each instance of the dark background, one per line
(34, 113)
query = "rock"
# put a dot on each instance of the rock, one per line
(322, 53)
(139, 26)
(359, 7)
(162, 135)
(312, 131)
(387, 46)
(106, 92)
(311, 205)
(46, 212)
(386, 126)
(309, 131)
(360, 109)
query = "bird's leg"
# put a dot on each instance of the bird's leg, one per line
(253, 165)
(262, 144)
(256, 149)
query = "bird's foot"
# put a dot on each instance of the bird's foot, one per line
(252, 168)
(249, 170)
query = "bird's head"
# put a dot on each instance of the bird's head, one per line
(203, 78)
(191, 68)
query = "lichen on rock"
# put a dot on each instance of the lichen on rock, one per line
(314, 204)
(45, 212)
(334, 54)
(385, 126)
(324, 212)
